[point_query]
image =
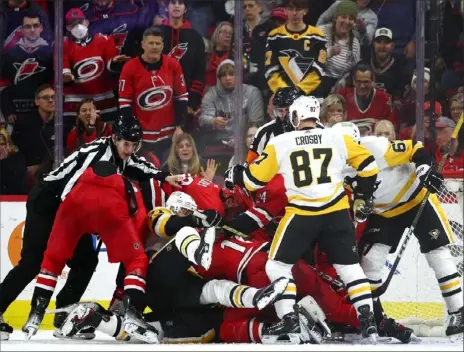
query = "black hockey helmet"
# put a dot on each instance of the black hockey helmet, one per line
(127, 128)
(284, 97)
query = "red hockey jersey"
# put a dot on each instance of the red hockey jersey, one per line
(205, 193)
(380, 108)
(151, 95)
(89, 62)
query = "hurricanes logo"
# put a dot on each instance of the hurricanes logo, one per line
(26, 69)
(295, 65)
(155, 98)
(89, 69)
(179, 51)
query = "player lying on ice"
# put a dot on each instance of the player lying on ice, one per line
(404, 177)
(170, 283)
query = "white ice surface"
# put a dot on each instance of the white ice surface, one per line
(44, 341)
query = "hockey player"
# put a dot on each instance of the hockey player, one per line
(115, 205)
(178, 288)
(405, 176)
(282, 100)
(46, 196)
(311, 161)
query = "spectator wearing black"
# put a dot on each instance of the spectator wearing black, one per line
(392, 73)
(15, 12)
(26, 65)
(34, 133)
(13, 171)
(186, 45)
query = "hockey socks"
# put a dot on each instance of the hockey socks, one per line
(228, 294)
(187, 242)
(274, 270)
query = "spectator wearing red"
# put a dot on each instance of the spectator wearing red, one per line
(27, 64)
(88, 61)
(221, 49)
(88, 126)
(366, 104)
(152, 87)
(186, 45)
(455, 160)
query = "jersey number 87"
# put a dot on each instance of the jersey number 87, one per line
(300, 161)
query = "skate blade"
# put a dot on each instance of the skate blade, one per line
(458, 338)
(147, 336)
(4, 336)
(78, 337)
(29, 332)
(279, 289)
(287, 339)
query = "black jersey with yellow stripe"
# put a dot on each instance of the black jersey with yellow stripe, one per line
(295, 58)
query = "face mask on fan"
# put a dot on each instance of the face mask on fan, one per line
(79, 31)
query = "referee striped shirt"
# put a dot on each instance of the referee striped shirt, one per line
(262, 137)
(63, 179)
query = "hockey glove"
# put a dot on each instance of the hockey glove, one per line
(430, 178)
(211, 219)
(232, 174)
(362, 209)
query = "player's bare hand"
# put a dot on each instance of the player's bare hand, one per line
(210, 171)
(68, 77)
(174, 180)
(121, 58)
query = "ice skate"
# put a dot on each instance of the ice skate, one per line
(455, 329)
(388, 327)
(286, 331)
(5, 329)
(310, 330)
(35, 316)
(367, 322)
(135, 326)
(204, 252)
(80, 323)
(269, 294)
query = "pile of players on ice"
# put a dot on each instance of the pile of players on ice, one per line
(270, 258)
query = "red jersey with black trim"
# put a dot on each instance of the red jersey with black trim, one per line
(380, 108)
(205, 193)
(151, 95)
(89, 62)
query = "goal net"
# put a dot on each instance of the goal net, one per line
(413, 297)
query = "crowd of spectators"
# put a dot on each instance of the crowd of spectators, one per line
(170, 63)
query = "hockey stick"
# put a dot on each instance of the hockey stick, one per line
(225, 227)
(409, 231)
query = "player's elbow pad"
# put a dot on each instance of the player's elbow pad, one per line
(175, 223)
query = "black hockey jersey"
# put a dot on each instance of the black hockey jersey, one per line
(295, 58)
(186, 45)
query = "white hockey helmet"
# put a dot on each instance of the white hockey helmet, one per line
(304, 108)
(180, 200)
(349, 129)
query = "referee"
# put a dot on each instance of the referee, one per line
(45, 197)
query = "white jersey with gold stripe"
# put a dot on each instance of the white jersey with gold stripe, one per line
(399, 189)
(311, 162)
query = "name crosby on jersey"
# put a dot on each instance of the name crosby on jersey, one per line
(311, 139)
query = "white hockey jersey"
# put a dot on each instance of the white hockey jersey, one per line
(311, 163)
(399, 189)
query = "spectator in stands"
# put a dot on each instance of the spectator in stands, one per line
(365, 24)
(455, 161)
(221, 49)
(291, 58)
(88, 64)
(248, 140)
(333, 110)
(186, 45)
(183, 158)
(34, 134)
(392, 73)
(88, 126)
(343, 48)
(26, 65)
(385, 128)
(162, 13)
(123, 20)
(218, 113)
(16, 10)
(456, 106)
(366, 104)
(13, 171)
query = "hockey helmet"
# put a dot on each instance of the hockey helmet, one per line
(283, 98)
(305, 108)
(180, 200)
(348, 129)
(127, 128)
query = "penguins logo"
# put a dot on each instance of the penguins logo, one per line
(295, 65)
